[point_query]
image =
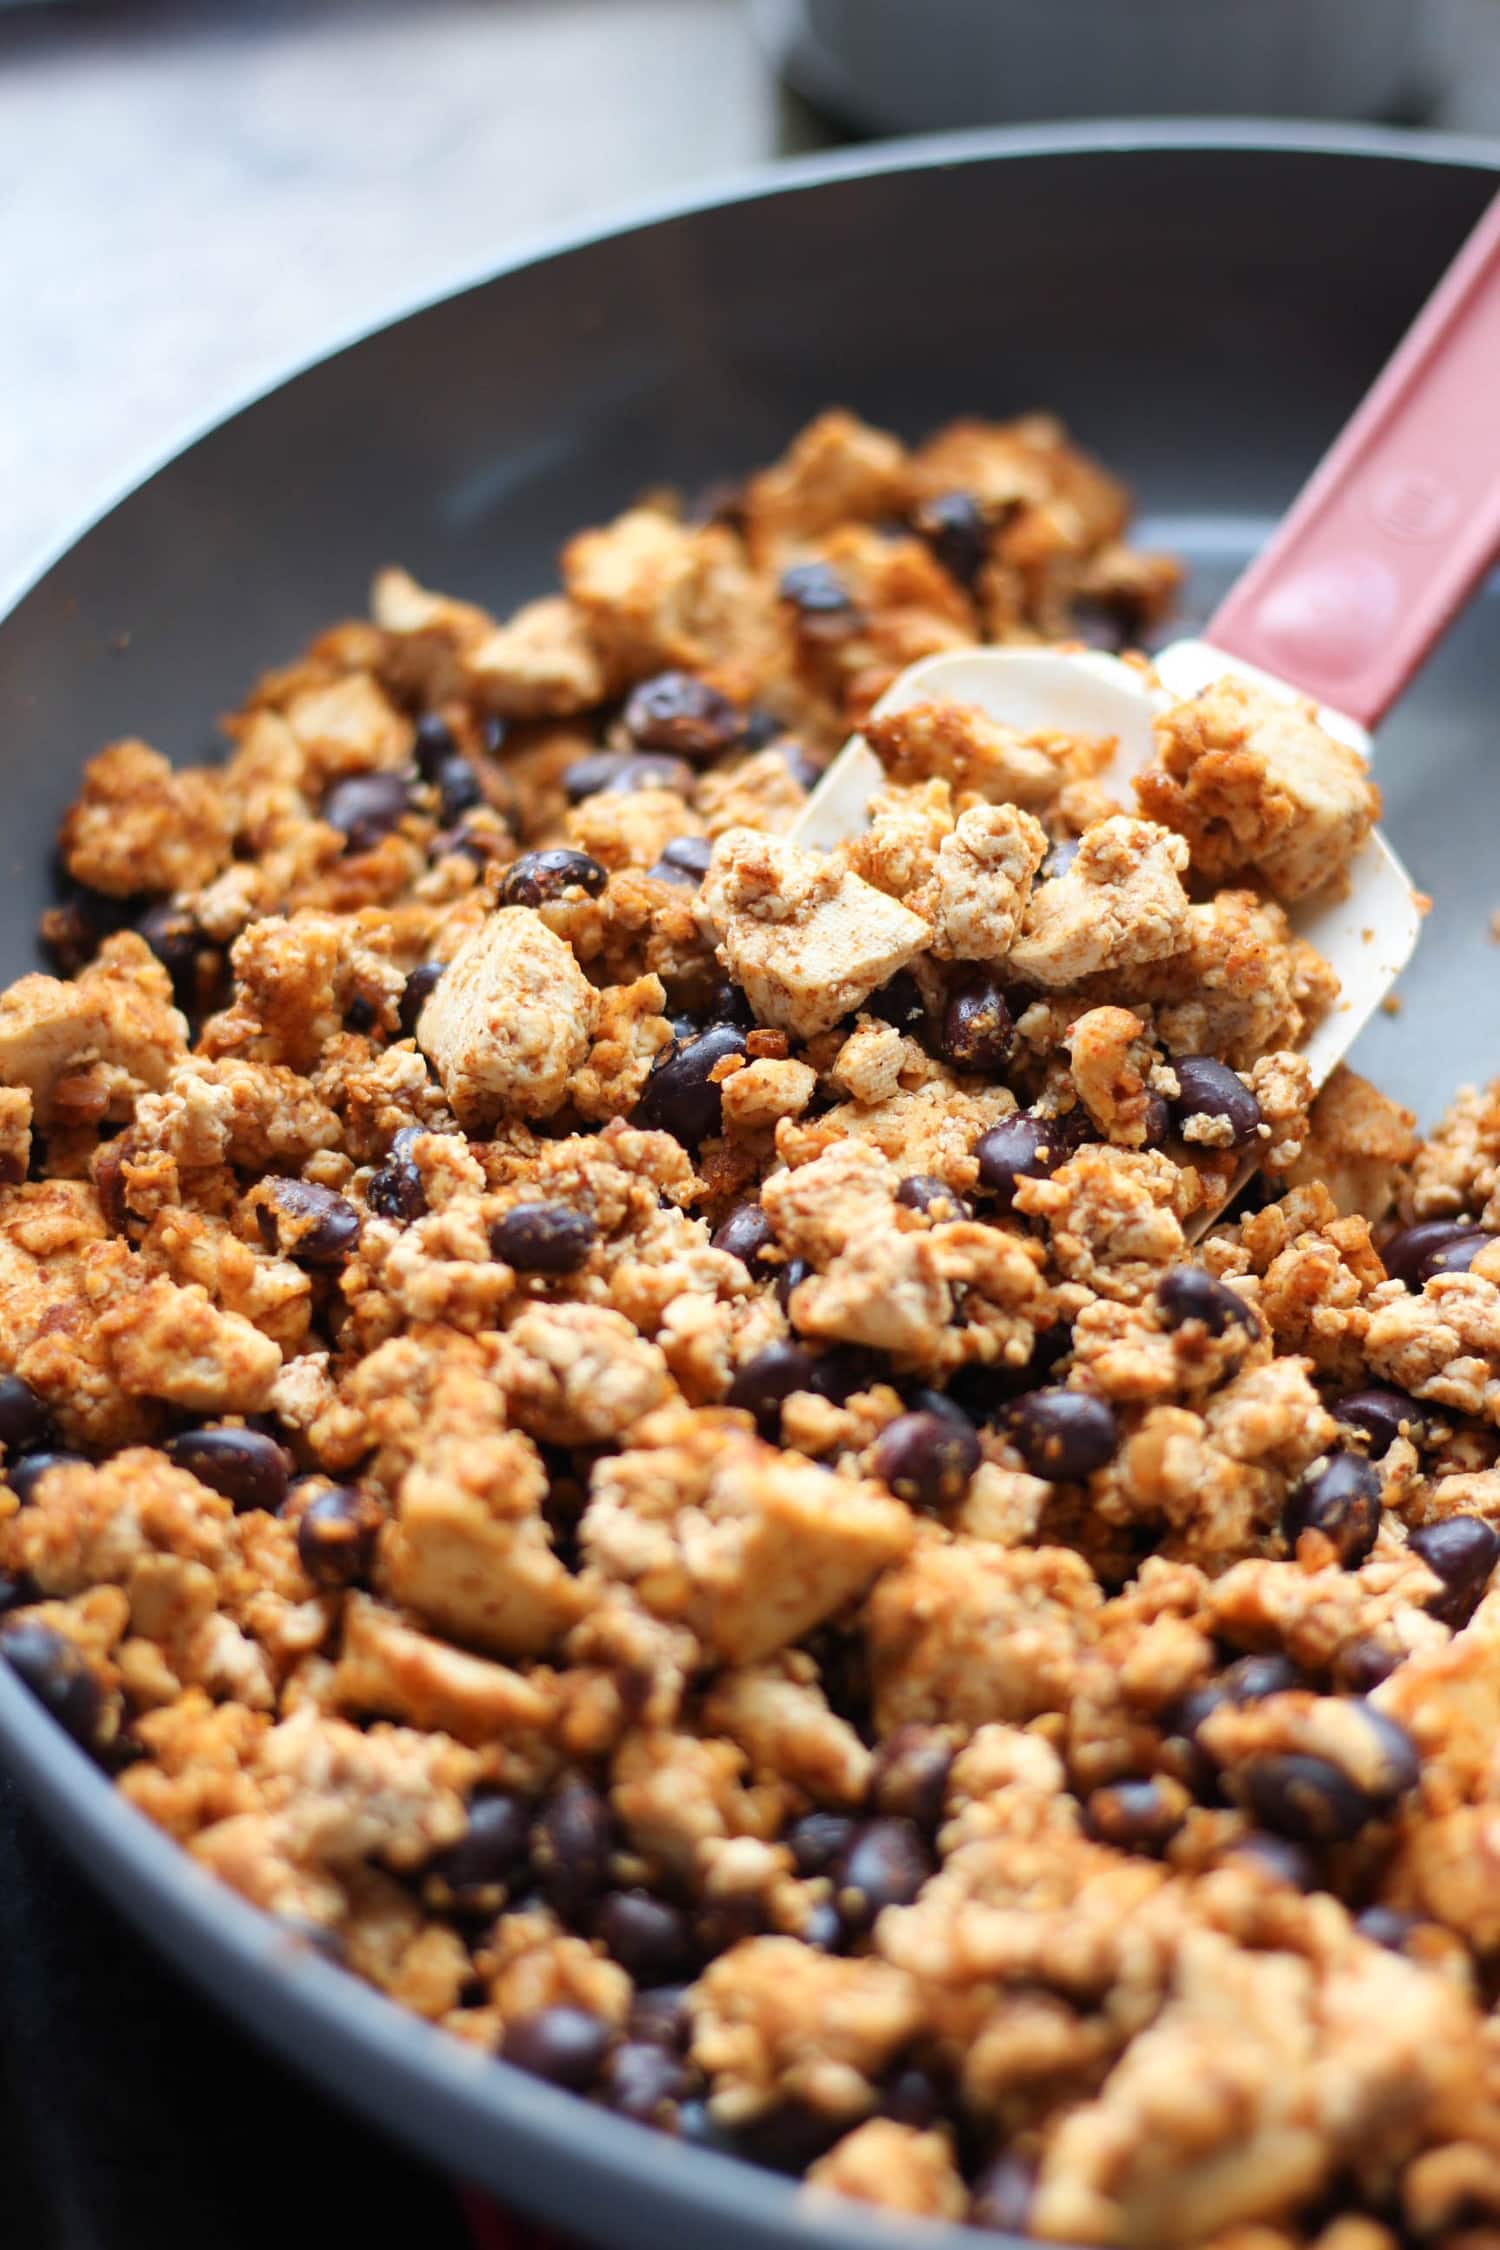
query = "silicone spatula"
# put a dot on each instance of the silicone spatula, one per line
(1375, 558)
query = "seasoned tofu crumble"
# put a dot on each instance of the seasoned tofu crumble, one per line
(627, 1425)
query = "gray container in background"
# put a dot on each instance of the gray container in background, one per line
(909, 66)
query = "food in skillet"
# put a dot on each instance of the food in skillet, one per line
(616, 1420)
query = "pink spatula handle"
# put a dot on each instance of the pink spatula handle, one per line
(1386, 541)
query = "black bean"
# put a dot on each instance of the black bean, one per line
(74, 929)
(1341, 1504)
(1107, 625)
(909, 1779)
(824, 606)
(539, 878)
(818, 1839)
(677, 712)
(587, 776)
(1400, 1765)
(1380, 1413)
(1134, 1816)
(645, 2082)
(416, 993)
(977, 1033)
(921, 1400)
(432, 745)
(1020, 1148)
(57, 1674)
(1387, 1926)
(646, 1935)
(795, 1270)
(747, 1234)
(336, 1535)
(25, 1475)
(307, 1223)
(1186, 1756)
(1064, 1434)
(458, 789)
(728, 1004)
(25, 1424)
(1462, 1550)
(1209, 1088)
(985, 1392)
(1156, 1125)
(653, 769)
(843, 1370)
(953, 525)
(175, 939)
(1309, 1799)
(395, 1191)
(806, 770)
(1362, 1665)
(543, 1238)
(926, 1459)
(912, 2096)
(824, 1928)
(761, 1385)
(491, 1854)
(787, 2139)
(1187, 1293)
(246, 1466)
(899, 1002)
(366, 806)
(684, 860)
(1003, 2195)
(566, 2046)
(1250, 1679)
(922, 1191)
(698, 2126)
(1433, 1246)
(1278, 1858)
(681, 1097)
(720, 1923)
(1059, 859)
(659, 2015)
(886, 1865)
(571, 1844)
(762, 728)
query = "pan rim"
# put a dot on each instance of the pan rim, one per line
(747, 184)
(419, 2083)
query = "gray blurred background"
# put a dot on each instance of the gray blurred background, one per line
(193, 197)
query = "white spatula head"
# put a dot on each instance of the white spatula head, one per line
(1367, 936)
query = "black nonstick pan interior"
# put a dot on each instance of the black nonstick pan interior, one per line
(1203, 304)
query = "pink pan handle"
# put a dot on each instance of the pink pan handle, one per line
(1388, 538)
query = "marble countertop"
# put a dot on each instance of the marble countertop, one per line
(194, 197)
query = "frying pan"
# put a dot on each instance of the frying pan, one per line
(1204, 304)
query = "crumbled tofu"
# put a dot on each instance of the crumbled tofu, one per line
(1120, 902)
(806, 940)
(838, 1582)
(1256, 785)
(509, 1020)
(978, 890)
(137, 826)
(114, 1026)
(748, 1547)
(962, 745)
